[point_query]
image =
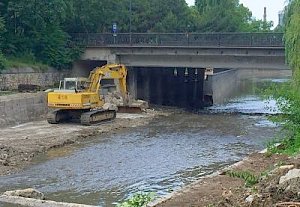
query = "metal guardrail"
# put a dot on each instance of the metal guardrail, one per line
(181, 39)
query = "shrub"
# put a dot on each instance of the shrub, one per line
(138, 200)
(3, 62)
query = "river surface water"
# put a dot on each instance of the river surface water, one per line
(161, 157)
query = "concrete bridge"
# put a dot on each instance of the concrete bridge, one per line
(164, 67)
(201, 50)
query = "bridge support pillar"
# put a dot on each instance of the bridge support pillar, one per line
(132, 82)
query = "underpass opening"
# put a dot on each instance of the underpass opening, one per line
(180, 87)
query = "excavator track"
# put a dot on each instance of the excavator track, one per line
(55, 117)
(51, 118)
(97, 116)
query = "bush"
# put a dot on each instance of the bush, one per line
(287, 97)
(138, 200)
(3, 62)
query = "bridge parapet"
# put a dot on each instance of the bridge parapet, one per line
(181, 39)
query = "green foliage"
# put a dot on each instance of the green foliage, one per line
(288, 95)
(223, 16)
(288, 102)
(259, 26)
(2, 30)
(3, 62)
(292, 39)
(27, 60)
(138, 200)
(5, 93)
(249, 178)
(35, 27)
(44, 28)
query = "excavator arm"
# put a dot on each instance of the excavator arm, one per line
(110, 71)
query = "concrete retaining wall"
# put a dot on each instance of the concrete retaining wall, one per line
(260, 73)
(220, 86)
(21, 108)
(10, 79)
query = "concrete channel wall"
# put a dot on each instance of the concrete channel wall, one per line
(20, 108)
(12, 78)
(220, 86)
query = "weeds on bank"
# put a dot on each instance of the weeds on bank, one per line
(249, 178)
(5, 93)
(138, 200)
(287, 98)
(25, 61)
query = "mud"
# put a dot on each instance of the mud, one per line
(20, 144)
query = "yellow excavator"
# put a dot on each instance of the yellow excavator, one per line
(81, 98)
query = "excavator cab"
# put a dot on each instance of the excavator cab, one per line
(73, 84)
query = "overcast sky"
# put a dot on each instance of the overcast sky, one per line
(257, 8)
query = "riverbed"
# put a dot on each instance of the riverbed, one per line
(162, 156)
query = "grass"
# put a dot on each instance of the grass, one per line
(249, 178)
(138, 200)
(288, 146)
(4, 93)
(21, 62)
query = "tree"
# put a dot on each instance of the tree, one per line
(292, 38)
(2, 30)
(34, 30)
(259, 26)
(225, 16)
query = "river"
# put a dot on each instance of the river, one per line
(161, 157)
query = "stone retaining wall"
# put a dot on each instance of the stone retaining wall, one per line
(10, 79)
(21, 108)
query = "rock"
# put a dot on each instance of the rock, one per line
(227, 194)
(286, 167)
(4, 162)
(3, 156)
(117, 99)
(110, 106)
(140, 103)
(114, 98)
(250, 199)
(294, 173)
(26, 193)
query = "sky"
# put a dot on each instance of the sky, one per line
(257, 8)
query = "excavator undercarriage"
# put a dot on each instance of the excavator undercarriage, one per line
(85, 117)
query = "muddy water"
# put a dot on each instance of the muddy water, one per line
(161, 157)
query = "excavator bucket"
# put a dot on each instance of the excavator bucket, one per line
(126, 104)
(134, 106)
(130, 109)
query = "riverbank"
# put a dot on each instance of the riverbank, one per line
(275, 182)
(21, 143)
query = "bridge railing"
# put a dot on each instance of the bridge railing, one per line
(182, 39)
